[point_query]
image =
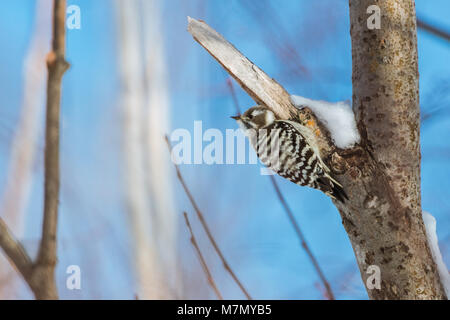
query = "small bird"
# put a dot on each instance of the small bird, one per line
(289, 149)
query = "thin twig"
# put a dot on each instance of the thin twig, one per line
(205, 268)
(433, 30)
(205, 226)
(277, 36)
(57, 66)
(303, 242)
(15, 251)
(233, 95)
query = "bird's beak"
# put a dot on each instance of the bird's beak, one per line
(236, 117)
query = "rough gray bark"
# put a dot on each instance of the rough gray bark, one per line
(383, 217)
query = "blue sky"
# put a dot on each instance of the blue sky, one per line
(239, 204)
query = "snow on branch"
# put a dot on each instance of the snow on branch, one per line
(337, 117)
(430, 228)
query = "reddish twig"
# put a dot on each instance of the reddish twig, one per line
(206, 228)
(205, 268)
(233, 95)
(302, 238)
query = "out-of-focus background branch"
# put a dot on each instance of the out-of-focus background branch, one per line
(434, 30)
(208, 232)
(145, 110)
(201, 259)
(39, 273)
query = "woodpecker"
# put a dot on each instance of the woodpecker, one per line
(289, 149)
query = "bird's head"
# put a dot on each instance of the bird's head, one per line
(257, 117)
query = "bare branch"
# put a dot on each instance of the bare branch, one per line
(40, 275)
(206, 228)
(205, 268)
(263, 89)
(233, 95)
(15, 251)
(57, 66)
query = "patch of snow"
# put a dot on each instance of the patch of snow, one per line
(430, 228)
(338, 117)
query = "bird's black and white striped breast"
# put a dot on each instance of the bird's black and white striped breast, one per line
(284, 149)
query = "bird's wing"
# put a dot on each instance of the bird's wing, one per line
(308, 134)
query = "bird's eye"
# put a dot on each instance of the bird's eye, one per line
(250, 116)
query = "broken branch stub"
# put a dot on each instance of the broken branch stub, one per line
(261, 88)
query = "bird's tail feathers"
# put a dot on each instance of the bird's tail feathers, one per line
(332, 188)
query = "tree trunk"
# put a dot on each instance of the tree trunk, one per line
(384, 217)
